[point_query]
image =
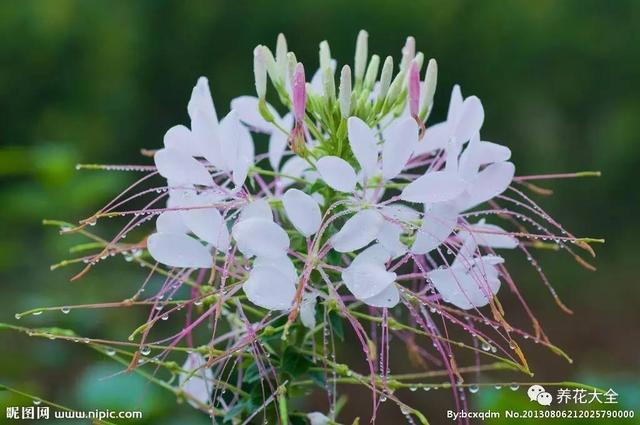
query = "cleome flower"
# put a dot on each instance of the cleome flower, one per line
(341, 204)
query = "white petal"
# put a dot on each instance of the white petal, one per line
(362, 140)
(260, 237)
(387, 298)
(455, 104)
(439, 221)
(490, 235)
(248, 111)
(201, 101)
(435, 137)
(282, 263)
(303, 211)
(401, 139)
(208, 225)
(199, 384)
(178, 250)
(258, 208)
(308, 310)
(294, 167)
(240, 171)
(317, 418)
(181, 168)
(179, 138)
(435, 186)
(358, 231)
(270, 288)
(170, 222)
(470, 120)
(465, 290)
(367, 275)
(337, 173)
(490, 182)
(389, 238)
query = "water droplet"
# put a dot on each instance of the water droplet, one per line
(514, 387)
(145, 350)
(18, 316)
(426, 388)
(197, 302)
(474, 389)
(65, 310)
(37, 401)
(164, 317)
(498, 387)
(37, 313)
(413, 388)
(110, 351)
(383, 399)
(485, 346)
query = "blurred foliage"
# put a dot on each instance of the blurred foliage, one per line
(95, 81)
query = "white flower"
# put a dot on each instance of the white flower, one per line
(303, 211)
(198, 385)
(368, 279)
(272, 283)
(178, 250)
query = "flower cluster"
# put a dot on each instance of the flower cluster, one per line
(341, 203)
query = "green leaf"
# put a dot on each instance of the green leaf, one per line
(295, 363)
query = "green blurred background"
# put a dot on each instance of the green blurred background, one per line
(95, 81)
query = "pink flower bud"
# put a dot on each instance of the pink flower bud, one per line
(299, 93)
(414, 89)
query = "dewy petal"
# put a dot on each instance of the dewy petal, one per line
(229, 138)
(180, 138)
(303, 211)
(294, 167)
(358, 231)
(197, 385)
(490, 235)
(208, 225)
(260, 237)
(258, 208)
(391, 231)
(181, 168)
(308, 310)
(282, 263)
(401, 139)
(367, 276)
(470, 120)
(362, 140)
(178, 250)
(438, 223)
(171, 222)
(388, 298)
(270, 288)
(490, 182)
(204, 123)
(435, 186)
(337, 173)
(466, 289)
(247, 108)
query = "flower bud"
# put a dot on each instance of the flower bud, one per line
(328, 83)
(260, 71)
(345, 91)
(408, 53)
(372, 72)
(361, 55)
(292, 61)
(299, 93)
(413, 83)
(325, 56)
(395, 88)
(281, 57)
(430, 82)
(419, 60)
(385, 78)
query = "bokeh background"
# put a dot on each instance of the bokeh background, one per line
(95, 81)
